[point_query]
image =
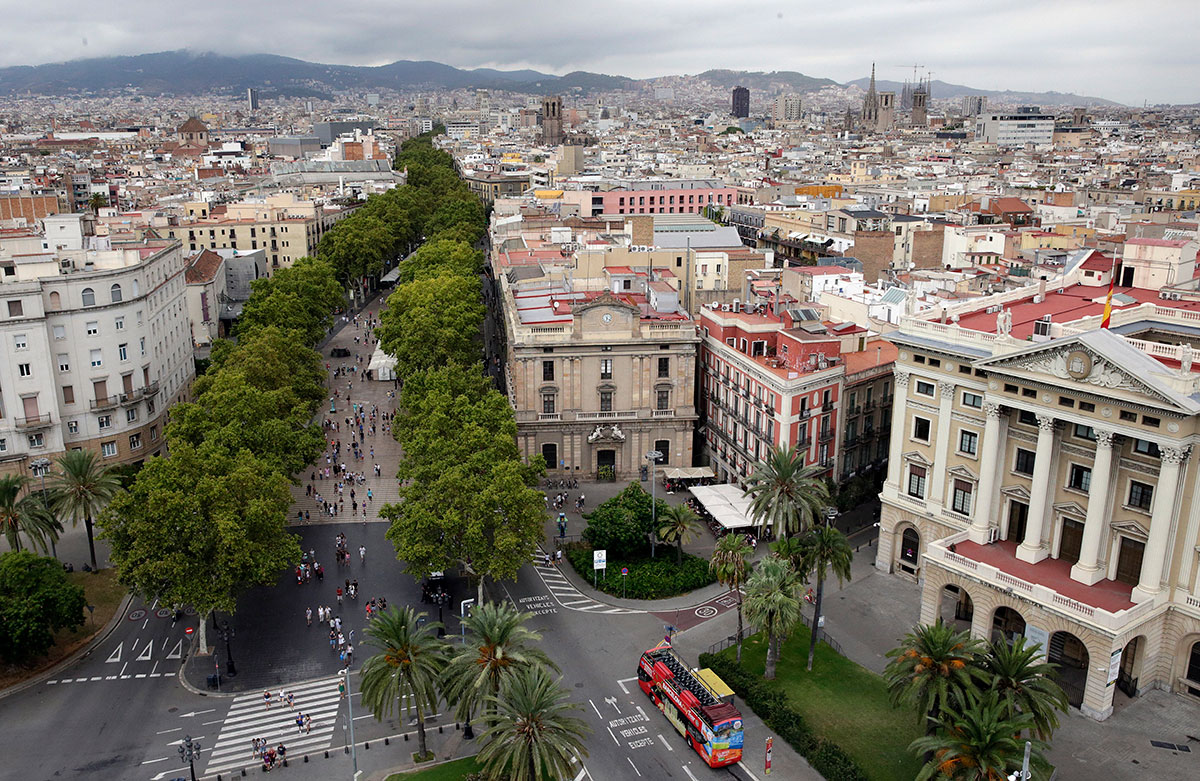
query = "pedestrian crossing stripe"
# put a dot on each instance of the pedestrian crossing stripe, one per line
(249, 718)
(560, 588)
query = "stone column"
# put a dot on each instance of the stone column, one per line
(899, 432)
(989, 463)
(1031, 548)
(937, 493)
(1165, 505)
(1087, 569)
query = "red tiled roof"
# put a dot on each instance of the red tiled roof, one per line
(1156, 242)
(202, 267)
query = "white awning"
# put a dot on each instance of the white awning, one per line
(686, 472)
(382, 365)
(391, 276)
(727, 504)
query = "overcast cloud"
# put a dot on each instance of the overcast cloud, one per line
(1117, 49)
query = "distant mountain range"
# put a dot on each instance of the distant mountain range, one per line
(186, 72)
(941, 89)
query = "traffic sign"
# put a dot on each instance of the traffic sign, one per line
(600, 559)
(188, 631)
(624, 570)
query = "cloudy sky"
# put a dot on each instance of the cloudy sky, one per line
(1117, 49)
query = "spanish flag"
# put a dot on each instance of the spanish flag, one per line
(1108, 301)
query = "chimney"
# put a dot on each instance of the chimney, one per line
(1042, 288)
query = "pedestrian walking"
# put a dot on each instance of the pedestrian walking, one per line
(307, 723)
(339, 595)
(341, 690)
(300, 722)
(308, 616)
(291, 700)
(362, 553)
(267, 699)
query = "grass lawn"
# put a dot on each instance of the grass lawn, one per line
(102, 590)
(450, 771)
(842, 702)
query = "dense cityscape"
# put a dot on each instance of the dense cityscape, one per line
(417, 422)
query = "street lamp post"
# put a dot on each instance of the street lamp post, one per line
(41, 465)
(228, 634)
(350, 708)
(653, 455)
(189, 751)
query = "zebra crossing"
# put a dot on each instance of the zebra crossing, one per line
(249, 718)
(567, 595)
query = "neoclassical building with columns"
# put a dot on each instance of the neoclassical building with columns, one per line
(1042, 481)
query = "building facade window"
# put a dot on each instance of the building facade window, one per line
(916, 481)
(89, 297)
(93, 328)
(135, 441)
(961, 497)
(548, 371)
(606, 399)
(105, 421)
(108, 449)
(606, 368)
(96, 358)
(25, 369)
(1080, 478)
(123, 352)
(924, 388)
(921, 427)
(664, 399)
(664, 367)
(1140, 495)
(968, 442)
(1025, 461)
(972, 400)
(20, 342)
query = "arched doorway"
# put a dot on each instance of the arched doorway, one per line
(1071, 656)
(909, 554)
(1007, 623)
(1131, 665)
(956, 608)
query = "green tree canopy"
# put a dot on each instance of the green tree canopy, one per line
(433, 322)
(622, 524)
(458, 213)
(534, 736)
(787, 495)
(25, 515)
(269, 359)
(232, 412)
(357, 247)
(301, 298)
(201, 527)
(36, 600)
(81, 488)
(443, 256)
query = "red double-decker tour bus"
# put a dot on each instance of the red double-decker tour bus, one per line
(697, 702)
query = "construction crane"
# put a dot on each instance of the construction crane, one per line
(914, 67)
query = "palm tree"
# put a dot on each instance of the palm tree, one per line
(533, 737)
(498, 645)
(1023, 684)
(787, 494)
(789, 549)
(679, 523)
(979, 742)
(772, 605)
(97, 202)
(25, 515)
(932, 669)
(82, 489)
(729, 565)
(409, 665)
(824, 548)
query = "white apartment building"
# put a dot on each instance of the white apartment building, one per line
(1027, 126)
(96, 347)
(787, 108)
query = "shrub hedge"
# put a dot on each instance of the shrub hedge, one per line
(648, 578)
(772, 706)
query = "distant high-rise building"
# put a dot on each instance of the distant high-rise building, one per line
(974, 105)
(252, 98)
(552, 121)
(372, 99)
(788, 108)
(741, 102)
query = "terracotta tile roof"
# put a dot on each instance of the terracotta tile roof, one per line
(203, 267)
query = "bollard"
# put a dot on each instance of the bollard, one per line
(386, 742)
(306, 759)
(456, 726)
(439, 729)
(345, 749)
(367, 746)
(327, 754)
(405, 737)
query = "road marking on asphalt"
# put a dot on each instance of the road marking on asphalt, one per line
(634, 767)
(115, 656)
(51, 683)
(152, 761)
(147, 652)
(624, 681)
(177, 651)
(613, 702)
(166, 731)
(666, 742)
(614, 737)
(595, 709)
(561, 587)
(689, 772)
(97, 677)
(742, 765)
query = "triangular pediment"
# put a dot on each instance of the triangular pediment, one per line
(1016, 492)
(1070, 508)
(1132, 528)
(962, 471)
(916, 458)
(605, 299)
(1103, 363)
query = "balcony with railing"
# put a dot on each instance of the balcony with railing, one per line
(33, 421)
(625, 414)
(827, 406)
(805, 413)
(662, 413)
(826, 436)
(549, 416)
(108, 402)
(150, 390)
(804, 443)
(1048, 583)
